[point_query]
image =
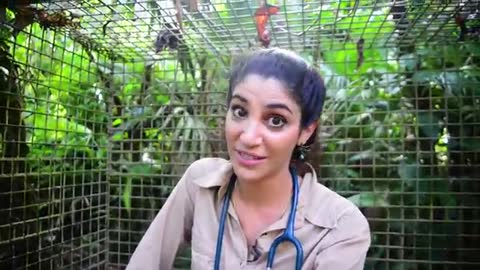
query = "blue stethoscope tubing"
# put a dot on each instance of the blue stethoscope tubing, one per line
(287, 235)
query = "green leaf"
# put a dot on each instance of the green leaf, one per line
(127, 195)
(131, 89)
(368, 154)
(118, 136)
(117, 122)
(162, 99)
(343, 62)
(368, 200)
(55, 127)
(350, 121)
(341, 95)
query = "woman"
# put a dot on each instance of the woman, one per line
(274, 102)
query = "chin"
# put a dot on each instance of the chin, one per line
(248, 174)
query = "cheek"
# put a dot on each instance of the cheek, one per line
(283, 142)
(231, 130)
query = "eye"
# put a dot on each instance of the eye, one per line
(276, 121)
(238, 111)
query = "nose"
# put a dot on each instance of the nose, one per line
(251, 134)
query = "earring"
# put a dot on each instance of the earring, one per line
(302, 154)
(302, 151)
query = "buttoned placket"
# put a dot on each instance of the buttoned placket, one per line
(233, 217)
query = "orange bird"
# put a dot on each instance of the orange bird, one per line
(261, 18)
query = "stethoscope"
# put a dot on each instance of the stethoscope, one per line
(287, 235)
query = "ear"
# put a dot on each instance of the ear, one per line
(306, 133)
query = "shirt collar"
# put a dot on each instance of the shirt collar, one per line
(217, 175)
(312, 206)
(315, 200)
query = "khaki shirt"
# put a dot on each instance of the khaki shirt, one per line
(333, 232)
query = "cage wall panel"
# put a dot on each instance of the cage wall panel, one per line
(53, 177)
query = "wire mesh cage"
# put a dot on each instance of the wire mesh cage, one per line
(104, 103)
(54, 188)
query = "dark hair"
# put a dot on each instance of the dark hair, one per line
(306, 85)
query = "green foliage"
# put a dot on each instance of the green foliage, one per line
(377, 125)
(65, 119)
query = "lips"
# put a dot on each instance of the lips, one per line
(249, 159)
(249, 156)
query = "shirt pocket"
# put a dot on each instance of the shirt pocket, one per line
(200, 261)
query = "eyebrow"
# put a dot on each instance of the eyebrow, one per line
(279, 106)
(270, 106)
(242, 99)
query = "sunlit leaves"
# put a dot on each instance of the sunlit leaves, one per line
(343, 55)
(54, 126)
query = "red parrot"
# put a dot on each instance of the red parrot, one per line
(261, 18)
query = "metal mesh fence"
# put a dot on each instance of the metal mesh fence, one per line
(150, 152)
(408, 161)
(53, 177)
(103, 104)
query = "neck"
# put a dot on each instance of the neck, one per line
(274, 191)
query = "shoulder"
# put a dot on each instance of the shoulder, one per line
(347, 239)
(200, 166)
(206, 172)
(328, 209)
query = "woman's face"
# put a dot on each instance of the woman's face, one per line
(262, 128)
